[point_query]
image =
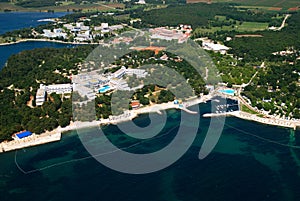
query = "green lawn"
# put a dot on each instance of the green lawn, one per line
(252, 26)
(221, 17)
(246, 109)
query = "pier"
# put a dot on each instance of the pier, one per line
(189, 111)
(220, 114)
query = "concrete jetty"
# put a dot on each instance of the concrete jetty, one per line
(189, 111)
(220, 114)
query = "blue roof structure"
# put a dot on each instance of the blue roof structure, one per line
(23, 134)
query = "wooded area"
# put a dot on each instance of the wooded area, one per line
(19, 81)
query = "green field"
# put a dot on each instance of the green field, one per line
(285, 4)
(245, 27)
(251, 26)
(246, 109)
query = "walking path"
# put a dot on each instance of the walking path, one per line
(282, 24)
(269, 121)
(30, 141)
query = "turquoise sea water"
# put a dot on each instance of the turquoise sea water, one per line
(250, 162)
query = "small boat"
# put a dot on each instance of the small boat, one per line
(46, 20)
(215, 100)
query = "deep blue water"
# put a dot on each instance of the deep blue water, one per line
(16, 20)
(250, 162)
(7, 50)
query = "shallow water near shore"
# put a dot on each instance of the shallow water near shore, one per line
(250, 162)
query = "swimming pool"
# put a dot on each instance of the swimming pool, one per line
(104, 89)
(227, 91)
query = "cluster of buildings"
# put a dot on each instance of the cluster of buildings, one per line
(56, 33)
(80, 32)
(180, 33)
(285, 53)
(89, 83)
(42, 92)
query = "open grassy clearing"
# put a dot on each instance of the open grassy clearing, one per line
(246, 109)
(244, 27)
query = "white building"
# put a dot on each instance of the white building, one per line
(116, 27)
(97, 28)
(140, 73)
(85, 36)
(79, 24)
(84, 28)
(56, 33)
(68, 26)
(215, 47)
(40, 96)
(141, 2)
(104, 25)
(120, 73)
(57, 88)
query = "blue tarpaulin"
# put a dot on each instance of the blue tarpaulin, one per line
(23, 134)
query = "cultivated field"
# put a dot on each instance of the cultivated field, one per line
(268, 4)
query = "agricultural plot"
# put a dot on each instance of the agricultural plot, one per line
(266, 4)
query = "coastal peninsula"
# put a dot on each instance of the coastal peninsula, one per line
(265, 78)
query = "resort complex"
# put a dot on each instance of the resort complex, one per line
(150, 100)
(241, 66)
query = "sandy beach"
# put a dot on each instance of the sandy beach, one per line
(55, 134)
(270, 121)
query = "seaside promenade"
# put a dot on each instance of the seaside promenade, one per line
(269, 120)
(55, 135)
(30, 141)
